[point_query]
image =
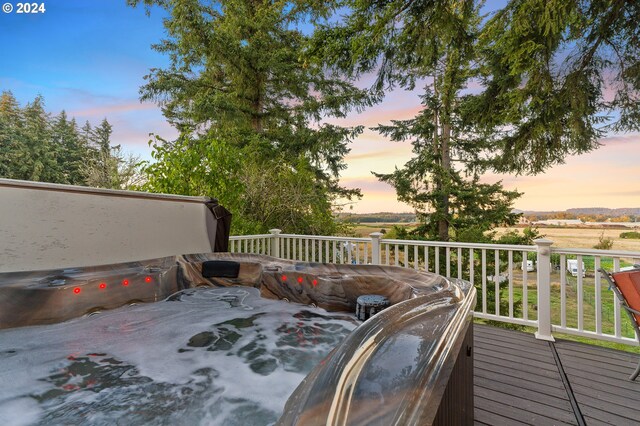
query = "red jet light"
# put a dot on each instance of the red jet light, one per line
(314, 282)
(147, 279)
(300, 280)
(125, 282)
(284, 278)
(77, 290)
(102, 286)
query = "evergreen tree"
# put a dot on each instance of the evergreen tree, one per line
(238, 76)
(102, 173)
(35, 147)
(559, 75)
(433, 44)
(86, 135)
(11, 135)
(237, 72)
(108, 166)
(38, 161)
(102, 136)
(71, 151)
(77, 153)
(554, 77)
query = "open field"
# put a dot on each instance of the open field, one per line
(585, 237)
(364, 229)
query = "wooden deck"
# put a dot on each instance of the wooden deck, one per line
(521, 380)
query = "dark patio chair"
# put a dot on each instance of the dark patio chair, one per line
(626, 285)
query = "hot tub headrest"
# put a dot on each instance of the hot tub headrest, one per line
(220, 269)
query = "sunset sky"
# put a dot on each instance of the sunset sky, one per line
(90, 57)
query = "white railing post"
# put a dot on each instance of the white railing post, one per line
(544, 289)
(375, 247)
(275, 242)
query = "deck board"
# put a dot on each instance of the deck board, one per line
(518, 381)
(515, 348)
(517, 370)
(552, 399)
(605, 370)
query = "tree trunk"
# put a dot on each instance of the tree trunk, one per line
(441, 143)
(257, 105)
(445, 158)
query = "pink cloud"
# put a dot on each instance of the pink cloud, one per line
(620, 139)
(133, 132)
(607, 176)
(513, 182)
(106, 110)
(368, 185)
(377, 115)
(384, 116)
(371, 155)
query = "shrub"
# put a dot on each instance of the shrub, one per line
(630, 235)
(604, 243)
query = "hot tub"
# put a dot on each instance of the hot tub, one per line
(409, 364)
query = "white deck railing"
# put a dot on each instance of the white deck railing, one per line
(551, 298)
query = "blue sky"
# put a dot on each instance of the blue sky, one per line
(89, 57)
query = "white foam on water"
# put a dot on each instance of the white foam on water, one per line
(210, 356)
(19, 411)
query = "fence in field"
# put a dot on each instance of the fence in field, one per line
(559, 291)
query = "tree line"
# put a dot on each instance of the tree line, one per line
(38, 146)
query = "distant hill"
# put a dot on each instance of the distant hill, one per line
(626, 211)
(586, 211)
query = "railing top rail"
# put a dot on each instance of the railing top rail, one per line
(250, 237)
(461, 245)
(594, 252)
(322, 237)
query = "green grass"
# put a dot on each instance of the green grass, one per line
(630, 235)
(589, 262)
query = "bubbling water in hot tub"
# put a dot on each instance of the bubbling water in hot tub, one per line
(204, 356)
